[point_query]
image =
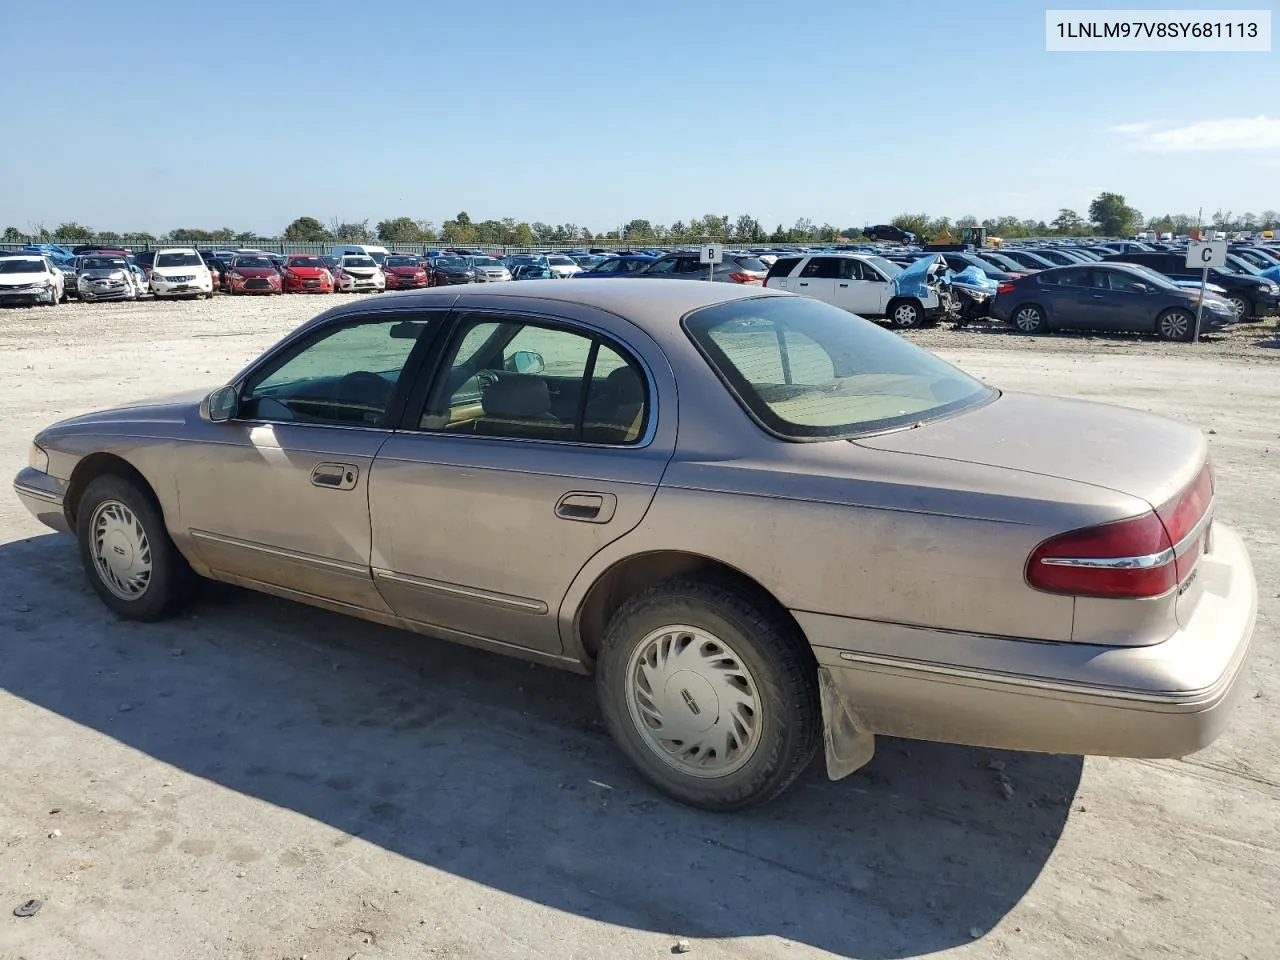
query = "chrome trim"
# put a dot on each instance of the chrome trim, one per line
(35, 493)
(1146, 562)
(306, 559)
(522, 604)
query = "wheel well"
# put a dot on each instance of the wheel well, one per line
(96, 465)
(635, 574)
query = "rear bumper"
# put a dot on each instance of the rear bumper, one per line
(43, 497)
(1164, 700)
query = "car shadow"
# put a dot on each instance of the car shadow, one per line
(500, 772)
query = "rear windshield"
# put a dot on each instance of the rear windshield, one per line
(179, 260)
(752, 264)
(806, 370)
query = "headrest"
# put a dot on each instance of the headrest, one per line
(626, 385)
(522, 396)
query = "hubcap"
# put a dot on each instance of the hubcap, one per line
(121, 550)
(693, 701)
(1238, 306)
(1175, 325)
(905, 315)
(1027, 319)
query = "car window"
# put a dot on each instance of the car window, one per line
(851, 269)
(346, 377)
(1119, 280)
(606, 266)
(522, 380)
(783, 266)
(821, 268)
(804, 370)
(691, 265)
(1068, 277)
(666, 265)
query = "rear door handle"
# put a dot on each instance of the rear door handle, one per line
(844, 284)
(804, 283)
(335, 476)
(587, 506)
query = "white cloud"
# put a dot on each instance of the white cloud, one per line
(1232, 133)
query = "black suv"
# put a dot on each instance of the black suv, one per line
(1249, 296)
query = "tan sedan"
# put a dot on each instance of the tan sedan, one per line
(765, 525)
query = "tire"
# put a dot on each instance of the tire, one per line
(1242, 307)
(760, 659)
(906, 314)
(1029, 318)
(119, 506)
(1175, 324)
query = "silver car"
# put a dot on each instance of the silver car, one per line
(741, 268)
(489, 270)
(106, 277)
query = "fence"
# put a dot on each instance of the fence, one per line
(284, 247)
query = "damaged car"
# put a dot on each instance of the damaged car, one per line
(770, 529)
(106, 277)
(869, 285)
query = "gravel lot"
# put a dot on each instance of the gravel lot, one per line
(263, 780)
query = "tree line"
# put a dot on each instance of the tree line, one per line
(1108, 215)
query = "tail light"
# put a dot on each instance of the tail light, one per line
(741, 277)
(1144, 556)
(1004, 288)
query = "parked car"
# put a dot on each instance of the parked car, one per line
(1249, 296)
(489, 270)
(404, 272)
(532, 271)
(1026, 259)
(179, 272)
(1265, 262)
(252, 274)
(772, 527)
(523, 259)
(144, 259)
(617, 266)
(106, 277)
(358, 273)
(447, 270)
(960, 260)
(306, 273)
(372, 251)
(562, 267)
(1105, 296)
(30, 278)
(1059, 257)
(740, 268)
(864, 284)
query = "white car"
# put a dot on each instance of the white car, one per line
(561, 267)
(30, 278)
(180, 272)
(864, 284)
(489, 270)
(358, 272)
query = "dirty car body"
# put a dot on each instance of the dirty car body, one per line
(767, 527)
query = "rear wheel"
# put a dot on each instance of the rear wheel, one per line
(1242, 308)
(1029, 318)
(710, 692)
(1175, 325)
(906, 314)
(127, 553)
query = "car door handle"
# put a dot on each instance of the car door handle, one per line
(804, 283)
(844, 284)
(586, 506)
(1098, 296)
(335, 476)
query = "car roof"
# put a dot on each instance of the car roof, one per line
(649, 303)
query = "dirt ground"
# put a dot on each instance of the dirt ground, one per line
(263, 780)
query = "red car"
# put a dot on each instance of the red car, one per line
(404, 272)
(252, 275)
(306, 273)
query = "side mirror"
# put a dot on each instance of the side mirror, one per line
(526, 361)
(1141, 287)
(221, 405)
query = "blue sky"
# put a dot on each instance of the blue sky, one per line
(849, 111)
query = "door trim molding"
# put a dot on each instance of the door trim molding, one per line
(458, 591)
(306, 559)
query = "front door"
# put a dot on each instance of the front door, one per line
(278, 495)
(534, 451)
(817, 279)
(861, 289)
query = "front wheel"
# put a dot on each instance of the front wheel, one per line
(1175, 325)
(710, 692)
(906, 314)
(1241, 307)
(127, 553)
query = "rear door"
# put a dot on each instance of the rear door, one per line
(1117, 302)
(1068, 296)
(817, 278)
(534, 448)
(779, 276)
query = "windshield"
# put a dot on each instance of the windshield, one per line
(21, 265)
(366, 262)
(451, 263)
(402, 261)
(887, 267)
(307, 262)
(103, 263)
(1241, 265)
(486, 262)
(560, 262)
(178, 260)
(252, 262)
(807, 370)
